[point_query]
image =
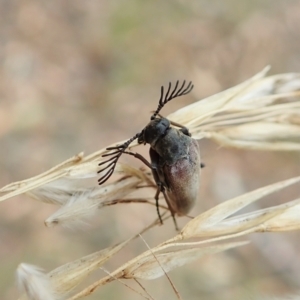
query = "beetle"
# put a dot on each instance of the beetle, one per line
(174, 154)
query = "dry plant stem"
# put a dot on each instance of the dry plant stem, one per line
(254, 111)
(239, 121)
(208, 219)
(170, 243)
(142, 287)
(217, 214)
(272, 146)
(121, 272)
(242, 117)
(217, 239)
(233, 92)
(156, 222)
(225, 209)
(132, 200)
(246, 117)
(116, 274)
(129, 287)
(65, 278)
(71, 161)
(169, 279)
(35, 184)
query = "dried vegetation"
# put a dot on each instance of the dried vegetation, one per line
(261, 113)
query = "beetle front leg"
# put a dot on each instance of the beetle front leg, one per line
(160, 188)
(159, 184)
(170, 208)
(140, 157)
(156, 197)
(183, 129)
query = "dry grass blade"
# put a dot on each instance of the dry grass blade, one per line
(210, 218)
(263, 131)
(60, 191)
(67, 277)
(146, 295)
(142, 287)
(254, 145)
(43, 177)
(82, 206)
(286, 221)
(251, 115)
(203, 110)
(145, 266)
(148, 268)
(57, 192)
(58, 175)
(165, 273)
(35, 283)
(284, 217)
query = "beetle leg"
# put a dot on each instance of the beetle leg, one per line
(160, 185)
(140, 157)
(183, 129)
(170, 208)
(161, 188)
(156, 197)
(160, 181)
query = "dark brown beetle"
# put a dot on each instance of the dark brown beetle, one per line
(175, 157)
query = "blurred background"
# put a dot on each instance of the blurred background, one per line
(79, 75)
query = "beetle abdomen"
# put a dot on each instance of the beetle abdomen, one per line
(183, 180)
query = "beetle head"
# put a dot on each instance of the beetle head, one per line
(156, 129)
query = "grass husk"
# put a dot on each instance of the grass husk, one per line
(262, 113)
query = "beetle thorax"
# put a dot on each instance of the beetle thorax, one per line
(173, 146)
(155, 130)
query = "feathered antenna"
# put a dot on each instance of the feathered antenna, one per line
(113, 160)
(175, 93)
